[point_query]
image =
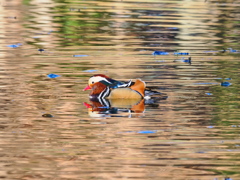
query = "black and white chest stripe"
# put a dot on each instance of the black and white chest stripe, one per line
(105, 93)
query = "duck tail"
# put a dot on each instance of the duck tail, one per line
(139, 86)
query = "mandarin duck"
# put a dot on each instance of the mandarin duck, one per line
(103, 86)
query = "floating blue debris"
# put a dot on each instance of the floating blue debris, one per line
(232, 50)
(210, 127)
(160, 53)
(180, 53)
(226, 84)
(189, 60)
(40, 50)
(208, 94)
(173, 28)
(90, 70)
(47, 115)
(80, 55)
(147, 132)
(14, 45)
(53, 75)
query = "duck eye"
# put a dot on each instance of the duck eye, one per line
(92, 82)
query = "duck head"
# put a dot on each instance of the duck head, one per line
(105, 80)
(99, 82)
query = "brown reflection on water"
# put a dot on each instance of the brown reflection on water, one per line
(48, 133)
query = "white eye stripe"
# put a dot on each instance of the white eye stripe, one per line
(98, 79)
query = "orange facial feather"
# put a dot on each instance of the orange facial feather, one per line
(97, 88)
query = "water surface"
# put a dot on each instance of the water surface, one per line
(51, 130)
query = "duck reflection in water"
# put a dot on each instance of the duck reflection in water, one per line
(109, 96)
(115, 108)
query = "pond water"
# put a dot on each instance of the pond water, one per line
(187, 50)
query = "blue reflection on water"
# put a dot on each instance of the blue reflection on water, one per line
(147, 132)
(14, 45)
(90, 70)
(226, 84)
(160, 53)
(180, 53)
(40, 50)
(189, 60)
(80, 55)
(141, 132)
(210, 127)
(53, 75)
(200, 152)
(232, 50)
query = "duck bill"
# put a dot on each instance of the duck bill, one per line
(87, 105)
(86, 88)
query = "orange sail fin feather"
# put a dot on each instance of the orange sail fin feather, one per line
(139, 86)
